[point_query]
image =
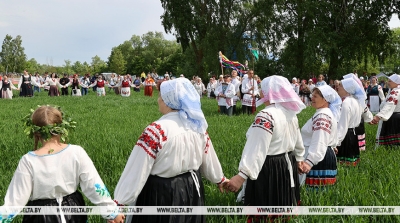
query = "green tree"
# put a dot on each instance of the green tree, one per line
(98, 65)
(116, 62)
(32, 66)
(68, 67)
(6, 54)
(19, 54)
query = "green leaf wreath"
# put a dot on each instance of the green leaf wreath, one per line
(46, 132)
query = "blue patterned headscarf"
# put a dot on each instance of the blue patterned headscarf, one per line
(179, 94)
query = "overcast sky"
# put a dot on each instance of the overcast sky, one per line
(56, 30)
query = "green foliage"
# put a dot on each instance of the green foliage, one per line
(116, 62)
(12, 55)
(47, 131)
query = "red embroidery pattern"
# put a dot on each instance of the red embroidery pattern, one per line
(207, 144)
(150, 139)
(393, 97)
(322, 122)
(263, 123)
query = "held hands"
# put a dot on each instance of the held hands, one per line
(119, 219)
(235, 183)
(375, 120)
(304, 167)
(222, 186)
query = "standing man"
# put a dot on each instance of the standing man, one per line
(236, 82)
(250, 91)
(225, 93)
(64, 81)
(38, 80)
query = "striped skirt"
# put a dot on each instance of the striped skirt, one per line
(324, 173)
(390, 131)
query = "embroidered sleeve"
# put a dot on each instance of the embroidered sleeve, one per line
(151, 138)
(140, 164)
(264, 123)
(211, 167)
(390, 105)
(257, 145)
(321, 128)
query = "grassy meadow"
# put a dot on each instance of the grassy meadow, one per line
(108, 128)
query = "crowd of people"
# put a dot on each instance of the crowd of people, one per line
(172, 154)
(59, 85)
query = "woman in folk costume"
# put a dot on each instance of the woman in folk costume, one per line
(389, 117)
(6, 87)
(319, 135)
(274, 149)
(148, 86)
(211, 86)
(353, 105)
(366, 116)
(54, 85)
(225, 93)
(25, 85)
(75, 85)
(166, 164)
(375, 91)
(125, 85)
(100, 84)
(199, 86)
(250, 91)
(51, 174)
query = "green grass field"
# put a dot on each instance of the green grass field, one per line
(108, 128)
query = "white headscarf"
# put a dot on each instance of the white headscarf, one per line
(180, 94)
(278, 90)
(395, 78)
(353, 88)
(331, 96)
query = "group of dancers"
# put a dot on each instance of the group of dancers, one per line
(79, 85)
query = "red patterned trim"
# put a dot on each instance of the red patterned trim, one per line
(223, 179)
(146, 150)
(118, 204)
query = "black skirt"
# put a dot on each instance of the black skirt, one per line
(360, 131)
(273, 187)
(390, 131)
(74, 199)
(26, 90)
(180, 190)
(324, 173)
(349, 151)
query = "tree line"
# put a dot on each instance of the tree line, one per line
(297, 38)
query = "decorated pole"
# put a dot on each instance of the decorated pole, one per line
(220, 62)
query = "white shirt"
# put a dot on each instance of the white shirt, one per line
(229, 94)
(247, 83)
(350, 117)
(390, 105)
(52, 82)
(271, 133)
(296, 87)
(318, 133)
(33, 82)
(199, 88)
(167, 149)
(55, 176)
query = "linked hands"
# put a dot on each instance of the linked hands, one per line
(234, 184)
(119, 219)
(375, 120)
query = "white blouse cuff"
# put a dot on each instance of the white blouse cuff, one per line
(243, 175)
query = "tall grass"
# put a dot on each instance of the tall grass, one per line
(108, 128)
